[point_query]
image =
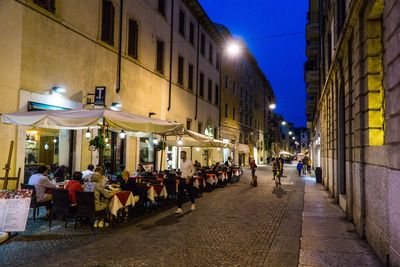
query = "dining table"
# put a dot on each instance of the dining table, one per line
(122, 199)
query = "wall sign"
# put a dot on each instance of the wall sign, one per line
(100, 96)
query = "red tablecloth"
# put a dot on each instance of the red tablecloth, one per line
(123, 196)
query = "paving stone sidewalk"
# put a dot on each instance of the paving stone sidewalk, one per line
(328, 239)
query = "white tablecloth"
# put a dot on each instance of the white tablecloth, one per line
(115, 203)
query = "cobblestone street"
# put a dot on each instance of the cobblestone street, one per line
(238, 225)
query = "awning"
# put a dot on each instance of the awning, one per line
(242, 148)
(193, 139)
(285, 153)
(80, 119)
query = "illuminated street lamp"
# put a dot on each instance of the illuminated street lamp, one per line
(283, 123)
(272, 106)
(233, 49)
(294, 138)
(290, 132)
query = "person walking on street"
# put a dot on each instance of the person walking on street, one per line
(187, 171)
(253, 167)
(299, 167)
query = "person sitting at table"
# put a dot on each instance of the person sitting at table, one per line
(88, 173)
(216, 168)
(102, 197)
(140, 171)
(118, 174)
(74, 185)
(41, 182)
(99, 170)
(197, 164)
(125, 183)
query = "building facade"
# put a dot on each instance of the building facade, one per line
(356, 123)
(160, 57)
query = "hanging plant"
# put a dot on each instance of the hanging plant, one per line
(161, 145)
(97, 142)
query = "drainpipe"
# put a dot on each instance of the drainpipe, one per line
(119, 47)
(170, 56)
(197, 69)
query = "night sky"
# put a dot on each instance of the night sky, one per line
(274, 30)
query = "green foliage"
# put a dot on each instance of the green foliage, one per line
(161, 145)
(97, 142)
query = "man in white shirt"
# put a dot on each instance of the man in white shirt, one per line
(187, 171)
(41, 182)
(86, 175)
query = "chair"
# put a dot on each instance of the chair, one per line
(141, 191)
(34, 204)
(85, 207)
(61, 205)
(170, 186)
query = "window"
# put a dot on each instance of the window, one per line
(107, 23)
(210, 53)
(216, 94)
(49, 5)
(146, 152)
(191, 33)
(160, 56)
(217, 61)
(201, 91)
(180, 70)
(226, 81)
(200, 127)
(234, 87)
(234, 114)
(203, 44)
(161, 7)
(226, 110)
(190, 77)
(181, 22)
(133, 39)
(209, 91)
(188, 124)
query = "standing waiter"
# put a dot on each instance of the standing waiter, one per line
(187, 171)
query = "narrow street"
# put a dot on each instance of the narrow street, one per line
(238, 225)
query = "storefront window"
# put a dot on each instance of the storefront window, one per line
(42, 147)
(146, 151)
(113, 152)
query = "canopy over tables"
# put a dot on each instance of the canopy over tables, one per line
(80, 119)
(193, 139)
(285, 153)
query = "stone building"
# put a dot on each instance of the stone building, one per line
(160, 58)
(357, 118)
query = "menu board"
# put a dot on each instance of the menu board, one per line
(14, 209)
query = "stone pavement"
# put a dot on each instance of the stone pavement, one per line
(328, 239)
(238, 225)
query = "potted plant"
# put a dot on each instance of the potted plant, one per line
(97, 142)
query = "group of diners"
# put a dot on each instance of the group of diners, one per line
(90, 180)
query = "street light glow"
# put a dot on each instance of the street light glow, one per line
(283, 122)
(290, 132)
(294, 138)
(233, 49)
(272, 106)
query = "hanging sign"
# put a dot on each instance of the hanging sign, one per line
(100, 96)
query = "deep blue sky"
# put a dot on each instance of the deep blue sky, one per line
(280, 57)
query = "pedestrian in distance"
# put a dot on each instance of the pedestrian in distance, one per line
(187, 172)
(299, 167)
(253, 167)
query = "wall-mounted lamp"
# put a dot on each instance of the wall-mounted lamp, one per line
(88, 134)
(116, 105)
(155, 141)
(55, 140)
(290, 133)
(57, 89)
(197, 148)
(122, 134)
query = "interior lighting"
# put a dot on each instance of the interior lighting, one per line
(55, 140)
(180, 142)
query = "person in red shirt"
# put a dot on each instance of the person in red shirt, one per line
(74, 185)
